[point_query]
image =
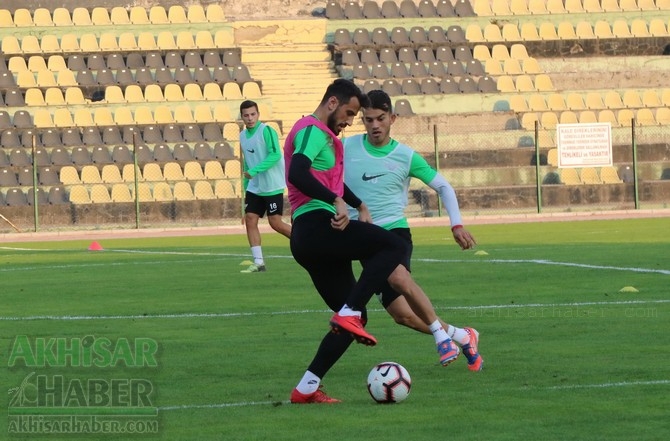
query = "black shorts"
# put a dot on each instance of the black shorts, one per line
(273, 205)
(387, 295)
(327, 255)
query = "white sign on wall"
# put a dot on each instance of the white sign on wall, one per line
(584, 145)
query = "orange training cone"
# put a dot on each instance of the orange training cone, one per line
(95, 246)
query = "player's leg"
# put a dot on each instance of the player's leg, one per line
(333, 280)
(254, 209)
(275, 209)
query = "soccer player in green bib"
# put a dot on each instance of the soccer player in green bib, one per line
(378, 169)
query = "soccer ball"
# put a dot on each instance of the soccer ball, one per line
(389, 382)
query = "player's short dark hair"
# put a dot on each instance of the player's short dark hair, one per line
(344, 91)
(248, 103)
(380, 100)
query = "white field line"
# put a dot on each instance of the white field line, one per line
(315, 311)
(231, 255)
(276, 403)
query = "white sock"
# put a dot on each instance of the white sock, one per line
(459, 335)
(346, 311)
(438, 332)
(258, 255)
(309, 383)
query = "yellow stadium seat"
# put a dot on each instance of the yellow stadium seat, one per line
(620, 29)
(251, 90)
(214, 13)
(625, 117)
(81, 17)
(552, 157)
(505, 84)
(172, 172)
(53, 96)
(69, 43)
(111, 174)
(657, 28)
(512, 66)
(518, 103)
(165, 41)
(102, 116)
(193, 171)
(183, 191)
(202, 113)
(602, 29)
(90, 175)
(594, 101)
(154, 94)
(645, 117)
(196, 14)
(524, 83)
(500, 52)
(568, 117)
(584, 30)
(42, 17)
(128, 173)
(531, 66)
(569, 176)
(574, 6)
(528, 120)
(632, 99)
(204, 40)
(203, 191)
(663, 116)
(100, 17)
(609, 175)
(537, 103)
(639, 29)
(650, 98)
(119, 16)
(30, 45)
(82, 118)
(566, 31)
(473, 33)
(138, 15)
(575, 101)
(183, 114)
(612, 100)
(542, 6)
(556, 102)
(163, 115)
(185, 41)
(224, 39)
(177, 14)
(547, 31)
(223, 189)
(162, 192)
(146, 41)
(192, 92)
(548, 120)
(88, 43)
(552, 6)
(492, 33)
(587, 117)
(34, 97)
(213, 170)
(232, 168)
(68, 175)
(231, 91)
(158, 15)
(493, 67)
(608, 116)
(23, 17)
(79, 195)
(501, 7)
(529, 32)
(481, 52)
(606, 5)
(144, 193)
(649, 5)
(519, 7)
(589, 176)
(152, 173)
(6, 20)
(510, 32)
(121, 193)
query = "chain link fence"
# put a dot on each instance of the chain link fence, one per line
(494, 172)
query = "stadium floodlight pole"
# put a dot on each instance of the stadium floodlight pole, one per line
(538, 186)
(634, 143)
(36, 210)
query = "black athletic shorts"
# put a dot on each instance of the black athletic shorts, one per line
(273, 205)
(327, 255)
(387, 295)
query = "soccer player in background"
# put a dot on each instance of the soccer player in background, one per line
(325, 242)
(378, 169)
(264, 181)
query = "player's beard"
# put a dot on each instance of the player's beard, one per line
(332, 123)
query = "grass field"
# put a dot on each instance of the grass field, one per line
(567, 355)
